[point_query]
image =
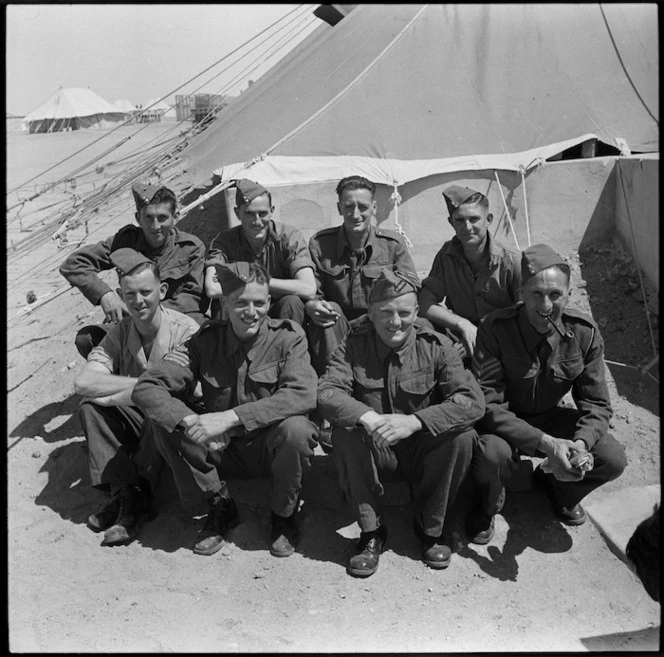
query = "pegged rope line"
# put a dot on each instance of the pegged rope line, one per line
(395, 197)
(507, 211)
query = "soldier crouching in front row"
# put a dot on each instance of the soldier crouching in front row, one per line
(400, 400)
(258, 387)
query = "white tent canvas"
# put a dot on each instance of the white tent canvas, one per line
(72, 108)
(124, 106)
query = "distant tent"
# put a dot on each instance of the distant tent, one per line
(72, 109)
(125, 106)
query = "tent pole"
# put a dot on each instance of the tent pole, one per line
(525, 204)
(507, 212)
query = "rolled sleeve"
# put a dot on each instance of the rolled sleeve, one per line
(81, 269)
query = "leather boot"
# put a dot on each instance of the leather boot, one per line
(364, 560)
(105, 517)
(222, 516)
(134, 511)
(436, 553)
(284, 536)
(574, 515)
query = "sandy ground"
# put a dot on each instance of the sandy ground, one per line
(539, 586)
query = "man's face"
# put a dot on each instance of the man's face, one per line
(471, 223)
(142, 292)
(357, 207)
(247, 309)
(545, 295)
(393, 319)
(254, 217)
(156, 221)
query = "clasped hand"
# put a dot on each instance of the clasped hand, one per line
(214, 430)
(389, 428)
(558, 460)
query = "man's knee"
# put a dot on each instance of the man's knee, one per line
(289, 306)
(493, 449)
(611, 456)
(298, 433)
(88, 338)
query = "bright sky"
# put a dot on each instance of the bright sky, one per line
(133, 52)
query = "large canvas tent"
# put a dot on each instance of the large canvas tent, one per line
(417, 96)
(72, 109)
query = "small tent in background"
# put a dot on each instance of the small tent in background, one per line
(72, 109)
(416, 97)
(127, 108)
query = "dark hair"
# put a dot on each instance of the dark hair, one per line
(355, 182)
(165, 195)
(475, 198)
(152, 266)
(257, 274)
(643, 551)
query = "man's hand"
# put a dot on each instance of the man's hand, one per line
(558, 451)
(113, 307)
(322, 313)
(211, 284)
(390, 428)
(211, 428)
(468, 334)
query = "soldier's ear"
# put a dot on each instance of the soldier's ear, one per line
(119, 293)
(339, 207)
(137, 216)
(489, 218)
(163, 289)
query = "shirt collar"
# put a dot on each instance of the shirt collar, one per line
(383, 351)
(342, 240)
(142, 245)
(270, 237)
(494, 248)
(532, 337)
(250, 348)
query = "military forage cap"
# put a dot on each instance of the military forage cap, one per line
(232, 276)
(537, 258)
(247, 191)
(392, 284)
(456, 196)
(126, 259)
(143, 194)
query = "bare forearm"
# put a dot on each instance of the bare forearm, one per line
(279, 287)
(103, 385)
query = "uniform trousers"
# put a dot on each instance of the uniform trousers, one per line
(280, 453)
(494, 460)
(435, 466)
(121, 447)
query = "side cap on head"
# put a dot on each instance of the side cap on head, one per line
(392, 284)
(143, 194)
(232, 276)
(247, 190)
(455, 196)
(125, 260)
(537, 258)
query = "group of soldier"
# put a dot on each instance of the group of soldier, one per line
(235, 361)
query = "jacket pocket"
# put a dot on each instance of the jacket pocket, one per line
(569, 368)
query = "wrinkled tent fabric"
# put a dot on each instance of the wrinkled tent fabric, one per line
(124, 106)
(400, 92)
(72, 109)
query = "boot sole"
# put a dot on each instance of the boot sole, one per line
(437, 565)
(206, 553)
(360, 573)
